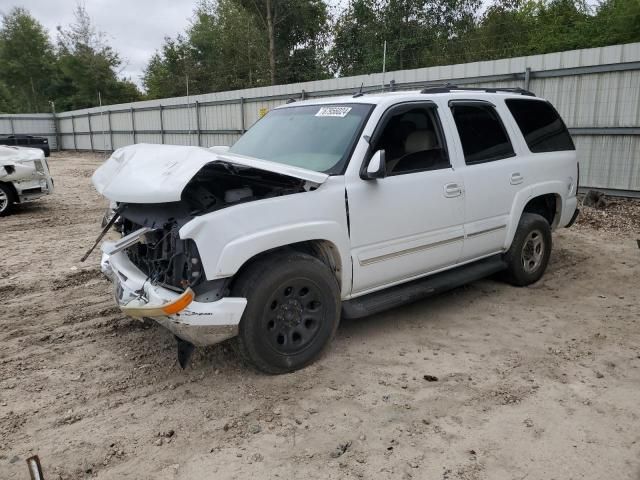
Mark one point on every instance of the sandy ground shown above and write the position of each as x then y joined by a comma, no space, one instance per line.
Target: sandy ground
538,383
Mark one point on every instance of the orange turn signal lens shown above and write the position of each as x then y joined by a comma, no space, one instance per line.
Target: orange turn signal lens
179,303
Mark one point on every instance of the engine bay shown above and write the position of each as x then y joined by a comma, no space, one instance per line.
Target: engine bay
173,262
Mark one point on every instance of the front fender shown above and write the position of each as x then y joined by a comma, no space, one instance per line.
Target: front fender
228,238
237,252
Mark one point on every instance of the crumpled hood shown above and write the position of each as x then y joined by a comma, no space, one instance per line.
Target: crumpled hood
16,163
10,155
148,173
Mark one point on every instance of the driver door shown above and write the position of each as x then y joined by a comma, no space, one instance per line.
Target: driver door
411,222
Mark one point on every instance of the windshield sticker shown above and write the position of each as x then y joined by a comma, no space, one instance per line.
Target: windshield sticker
333,112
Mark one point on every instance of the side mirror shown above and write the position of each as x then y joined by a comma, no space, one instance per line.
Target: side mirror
377,167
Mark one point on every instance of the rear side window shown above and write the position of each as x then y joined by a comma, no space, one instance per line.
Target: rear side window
482,134
541,126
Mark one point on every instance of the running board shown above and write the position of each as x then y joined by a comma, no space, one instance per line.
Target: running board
392,297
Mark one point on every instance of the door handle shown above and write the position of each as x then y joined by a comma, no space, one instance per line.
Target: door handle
516,178
452,190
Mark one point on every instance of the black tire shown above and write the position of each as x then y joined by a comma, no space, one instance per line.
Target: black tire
7,200
292,313
528,256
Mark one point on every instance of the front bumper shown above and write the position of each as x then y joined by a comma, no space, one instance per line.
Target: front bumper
29,190
201,323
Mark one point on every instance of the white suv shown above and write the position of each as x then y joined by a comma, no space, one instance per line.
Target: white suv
336,207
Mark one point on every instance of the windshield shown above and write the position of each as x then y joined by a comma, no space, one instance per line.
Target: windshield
315,137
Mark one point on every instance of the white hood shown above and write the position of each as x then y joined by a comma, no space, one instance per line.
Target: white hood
147,173
17,163
10,155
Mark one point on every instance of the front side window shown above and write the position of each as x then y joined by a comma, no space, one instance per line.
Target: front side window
316,137
541,126
482,134
412,141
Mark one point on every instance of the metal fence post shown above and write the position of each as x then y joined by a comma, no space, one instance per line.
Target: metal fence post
110,130
161,127
56,130
73,130
13,129
527,78
242,115
133,125
90,131
198,123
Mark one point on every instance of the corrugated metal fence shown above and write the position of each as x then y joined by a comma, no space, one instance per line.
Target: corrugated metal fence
597,92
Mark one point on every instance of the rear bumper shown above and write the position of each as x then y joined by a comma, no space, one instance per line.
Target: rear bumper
201,323
569,212
574,218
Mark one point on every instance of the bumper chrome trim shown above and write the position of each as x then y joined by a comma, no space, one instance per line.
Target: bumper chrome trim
201,323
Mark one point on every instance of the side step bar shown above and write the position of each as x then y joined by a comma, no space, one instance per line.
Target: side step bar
423,287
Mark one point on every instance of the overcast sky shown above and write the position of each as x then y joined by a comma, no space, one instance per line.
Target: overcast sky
134,28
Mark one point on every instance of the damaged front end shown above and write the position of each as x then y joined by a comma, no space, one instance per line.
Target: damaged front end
156,273
27,171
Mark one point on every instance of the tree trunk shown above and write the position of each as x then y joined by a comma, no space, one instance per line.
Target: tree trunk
272,43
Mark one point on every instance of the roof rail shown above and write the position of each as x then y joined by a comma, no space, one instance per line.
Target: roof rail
447,87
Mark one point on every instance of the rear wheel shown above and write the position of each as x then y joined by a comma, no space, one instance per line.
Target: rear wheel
7,199
528,256
292,313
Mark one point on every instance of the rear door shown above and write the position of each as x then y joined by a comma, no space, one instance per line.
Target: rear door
493,174
409,223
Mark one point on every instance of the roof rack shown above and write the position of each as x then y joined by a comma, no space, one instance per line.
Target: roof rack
447,88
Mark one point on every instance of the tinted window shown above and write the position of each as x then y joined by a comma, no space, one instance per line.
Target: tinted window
317,137
412,141
541,126
482,134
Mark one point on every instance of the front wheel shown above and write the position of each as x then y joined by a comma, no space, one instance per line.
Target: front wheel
292,313
528,256
7,200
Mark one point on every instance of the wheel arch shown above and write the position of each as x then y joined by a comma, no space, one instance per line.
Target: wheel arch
324,250
13,190
545,200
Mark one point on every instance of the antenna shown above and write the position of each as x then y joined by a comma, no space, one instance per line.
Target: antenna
359,94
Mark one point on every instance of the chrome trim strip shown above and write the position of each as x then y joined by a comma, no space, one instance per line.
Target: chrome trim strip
388,256
488,230
127,241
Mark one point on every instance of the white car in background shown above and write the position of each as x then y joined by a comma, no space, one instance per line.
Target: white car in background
336,207
24,176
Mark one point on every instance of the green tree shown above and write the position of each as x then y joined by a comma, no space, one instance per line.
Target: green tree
560,25
227,47
418,33
296,32
504,30
28,63
89,65
222,49
167,72
7,104
616,21
358,39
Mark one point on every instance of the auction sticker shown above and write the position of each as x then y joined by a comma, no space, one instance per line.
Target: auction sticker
333,112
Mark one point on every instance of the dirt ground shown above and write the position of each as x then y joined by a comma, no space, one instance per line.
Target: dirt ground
484,382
